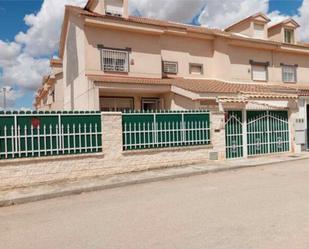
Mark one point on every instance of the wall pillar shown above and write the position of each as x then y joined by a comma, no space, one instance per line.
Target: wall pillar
112,134
218,133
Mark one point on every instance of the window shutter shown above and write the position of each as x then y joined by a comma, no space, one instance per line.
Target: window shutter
259,73
259,31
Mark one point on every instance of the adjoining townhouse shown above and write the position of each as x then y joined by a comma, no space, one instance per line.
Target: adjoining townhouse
50,95
111,61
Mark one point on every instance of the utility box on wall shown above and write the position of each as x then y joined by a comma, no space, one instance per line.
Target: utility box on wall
300,131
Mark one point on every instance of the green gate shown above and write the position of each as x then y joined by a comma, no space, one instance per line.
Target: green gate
234,135
267,132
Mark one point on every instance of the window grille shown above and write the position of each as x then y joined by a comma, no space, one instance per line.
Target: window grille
115,60
288,74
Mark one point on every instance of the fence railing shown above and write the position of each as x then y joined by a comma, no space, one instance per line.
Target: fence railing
47,134
165,129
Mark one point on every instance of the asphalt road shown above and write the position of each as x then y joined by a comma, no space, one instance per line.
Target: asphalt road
265,207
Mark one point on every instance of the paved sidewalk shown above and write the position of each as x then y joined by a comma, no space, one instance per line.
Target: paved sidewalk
43,192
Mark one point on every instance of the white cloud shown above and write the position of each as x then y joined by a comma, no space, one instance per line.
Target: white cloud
26,72
303,19
174,10
221,14
9,51
42,37
25,61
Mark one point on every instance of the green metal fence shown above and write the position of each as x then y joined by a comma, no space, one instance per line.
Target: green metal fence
37,134
146,130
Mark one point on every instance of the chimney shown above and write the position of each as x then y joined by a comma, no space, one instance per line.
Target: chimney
109,7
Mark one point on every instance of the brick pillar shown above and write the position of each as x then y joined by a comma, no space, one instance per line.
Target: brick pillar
218,133
112,134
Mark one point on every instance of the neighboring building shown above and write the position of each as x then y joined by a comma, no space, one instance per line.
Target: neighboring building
110,61
50,96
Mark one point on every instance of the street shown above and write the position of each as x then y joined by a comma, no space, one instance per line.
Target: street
265,207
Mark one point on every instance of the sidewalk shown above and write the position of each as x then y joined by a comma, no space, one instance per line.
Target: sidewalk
43,192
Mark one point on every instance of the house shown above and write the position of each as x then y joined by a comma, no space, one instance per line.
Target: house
111,61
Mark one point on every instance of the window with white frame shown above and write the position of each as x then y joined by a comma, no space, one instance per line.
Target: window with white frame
289,73
259,31
114,60
196,68
259,72
289,36
170,67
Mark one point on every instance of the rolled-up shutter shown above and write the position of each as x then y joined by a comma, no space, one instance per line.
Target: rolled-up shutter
259,72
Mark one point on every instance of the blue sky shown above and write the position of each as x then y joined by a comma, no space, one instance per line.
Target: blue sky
12,13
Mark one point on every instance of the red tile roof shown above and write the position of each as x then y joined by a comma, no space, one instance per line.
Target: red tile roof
202,85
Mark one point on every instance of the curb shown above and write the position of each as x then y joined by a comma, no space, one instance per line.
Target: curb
81,190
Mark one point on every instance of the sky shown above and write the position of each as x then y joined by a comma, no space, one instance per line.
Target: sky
30,31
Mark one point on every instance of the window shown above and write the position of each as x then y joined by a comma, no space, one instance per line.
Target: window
289,36
170,67
110,104
115,60
150,104
114,7
259,72
52,94
45,100
289,73
196,68
259,31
